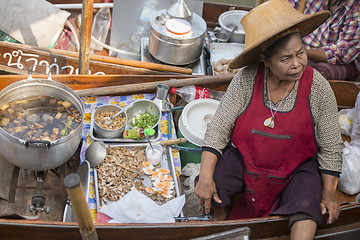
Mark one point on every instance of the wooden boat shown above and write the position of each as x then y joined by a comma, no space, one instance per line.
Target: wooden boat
51,226
134,80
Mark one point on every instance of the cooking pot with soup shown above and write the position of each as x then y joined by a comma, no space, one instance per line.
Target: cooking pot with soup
40,123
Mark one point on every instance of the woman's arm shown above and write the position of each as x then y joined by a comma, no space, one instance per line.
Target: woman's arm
316,54
341,44
205,188
326,123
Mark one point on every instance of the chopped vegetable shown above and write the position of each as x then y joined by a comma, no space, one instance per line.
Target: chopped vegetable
66,104
4,107
145,120
4,121
58,115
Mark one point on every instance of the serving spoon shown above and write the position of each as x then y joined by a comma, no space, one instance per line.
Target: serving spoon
234,28
96,152
108,120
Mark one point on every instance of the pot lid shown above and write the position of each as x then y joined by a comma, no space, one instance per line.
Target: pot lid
179,9
195,117
178,26
197,23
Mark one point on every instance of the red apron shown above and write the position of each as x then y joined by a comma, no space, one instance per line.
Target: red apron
272,154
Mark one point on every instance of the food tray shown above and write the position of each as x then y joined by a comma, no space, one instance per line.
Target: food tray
167,162
155,137
224,50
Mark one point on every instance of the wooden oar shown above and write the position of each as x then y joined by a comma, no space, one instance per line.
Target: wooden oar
129,88
172,141
79,204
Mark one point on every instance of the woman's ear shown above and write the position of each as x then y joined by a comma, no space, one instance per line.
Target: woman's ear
264,59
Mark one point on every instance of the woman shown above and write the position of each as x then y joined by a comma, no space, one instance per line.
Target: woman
333,48
281,118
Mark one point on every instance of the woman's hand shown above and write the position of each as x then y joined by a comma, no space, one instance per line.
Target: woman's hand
328,203
332,207
205,189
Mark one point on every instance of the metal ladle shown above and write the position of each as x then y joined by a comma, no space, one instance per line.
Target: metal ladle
231,33
96,152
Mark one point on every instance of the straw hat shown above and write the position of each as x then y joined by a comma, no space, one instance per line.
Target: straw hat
269,19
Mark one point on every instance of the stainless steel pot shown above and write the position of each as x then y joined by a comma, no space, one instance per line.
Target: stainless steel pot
176,50
230,19
39,155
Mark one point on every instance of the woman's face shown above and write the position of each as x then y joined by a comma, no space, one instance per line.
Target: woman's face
289,61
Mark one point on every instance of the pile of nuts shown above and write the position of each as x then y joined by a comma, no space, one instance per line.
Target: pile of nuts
221,67
121,171
116,123
118,171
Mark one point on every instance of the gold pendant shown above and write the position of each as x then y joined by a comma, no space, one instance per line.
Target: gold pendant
269,122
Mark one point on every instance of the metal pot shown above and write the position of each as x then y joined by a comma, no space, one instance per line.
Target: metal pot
174,49
230,19
39,155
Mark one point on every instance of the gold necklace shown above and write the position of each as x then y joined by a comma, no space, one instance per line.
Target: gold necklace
269,122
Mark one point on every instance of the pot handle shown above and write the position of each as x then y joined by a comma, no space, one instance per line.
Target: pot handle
37,142
33,67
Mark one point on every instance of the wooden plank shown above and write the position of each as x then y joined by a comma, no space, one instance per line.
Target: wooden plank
345,92
19,58
85,36
77,82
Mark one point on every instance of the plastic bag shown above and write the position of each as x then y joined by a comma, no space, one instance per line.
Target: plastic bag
349,181
355,131
346,119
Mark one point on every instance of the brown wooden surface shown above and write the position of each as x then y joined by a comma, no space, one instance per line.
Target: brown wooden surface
77,82
17,59
85,36
345,92
261,228
148,87
102,56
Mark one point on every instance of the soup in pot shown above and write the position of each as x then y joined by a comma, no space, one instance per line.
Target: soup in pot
39,118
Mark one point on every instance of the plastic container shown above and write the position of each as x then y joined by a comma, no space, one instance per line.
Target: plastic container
154,154
142,28
192,125
100,28
191,92
137,133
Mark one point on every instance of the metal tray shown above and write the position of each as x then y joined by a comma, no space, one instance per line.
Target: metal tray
155,137
224,50
167,162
